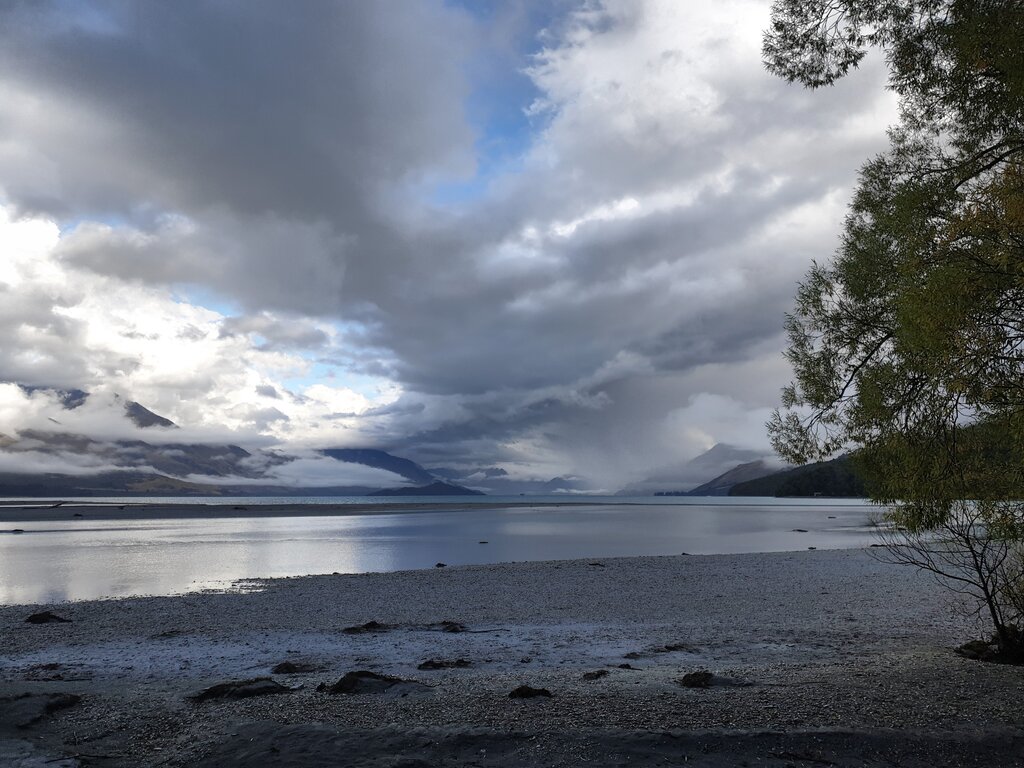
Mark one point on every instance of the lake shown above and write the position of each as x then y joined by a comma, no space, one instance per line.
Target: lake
81,559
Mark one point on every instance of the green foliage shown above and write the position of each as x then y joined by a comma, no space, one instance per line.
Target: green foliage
909,345
832,479
916,329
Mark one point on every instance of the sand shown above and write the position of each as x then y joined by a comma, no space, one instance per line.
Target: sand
820,658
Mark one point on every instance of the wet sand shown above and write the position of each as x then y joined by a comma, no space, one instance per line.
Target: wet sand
818,658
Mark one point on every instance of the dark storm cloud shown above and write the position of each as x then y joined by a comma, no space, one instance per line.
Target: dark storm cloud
640,251
275,332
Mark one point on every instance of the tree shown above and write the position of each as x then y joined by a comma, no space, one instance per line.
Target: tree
909,345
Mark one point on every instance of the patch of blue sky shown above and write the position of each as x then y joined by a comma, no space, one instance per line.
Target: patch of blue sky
203,296
111,220
334,376
500,96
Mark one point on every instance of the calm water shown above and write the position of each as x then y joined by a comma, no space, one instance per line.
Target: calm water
85,559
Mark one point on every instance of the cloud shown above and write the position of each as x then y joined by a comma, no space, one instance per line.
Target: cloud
554,240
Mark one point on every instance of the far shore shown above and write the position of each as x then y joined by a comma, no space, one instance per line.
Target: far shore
42,511
46,510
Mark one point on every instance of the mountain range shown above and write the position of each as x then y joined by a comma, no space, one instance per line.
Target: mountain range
51,460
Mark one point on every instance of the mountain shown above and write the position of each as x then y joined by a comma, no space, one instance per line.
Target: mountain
69,398
162,466
370,457
434,489
717,460
835,478
178,459
495,481
143,417
721,485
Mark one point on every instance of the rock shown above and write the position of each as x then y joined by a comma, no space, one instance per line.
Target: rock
526,692
77,514
674,647
483,542
26,710
633,655
452,626
525,660
370,626
444,664
441,565
46,617
293,668
18,530
596,674
812,547
626,666
977,650
364,681
799,530
705,679
597,565
700,679
241,689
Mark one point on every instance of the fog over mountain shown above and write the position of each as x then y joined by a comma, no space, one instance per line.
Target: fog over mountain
511,241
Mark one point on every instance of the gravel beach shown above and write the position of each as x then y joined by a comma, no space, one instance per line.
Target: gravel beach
815,658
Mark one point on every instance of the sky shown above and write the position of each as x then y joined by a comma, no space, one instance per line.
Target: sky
539,238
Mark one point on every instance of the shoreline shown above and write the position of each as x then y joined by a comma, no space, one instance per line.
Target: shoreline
29,511
830,648
22,511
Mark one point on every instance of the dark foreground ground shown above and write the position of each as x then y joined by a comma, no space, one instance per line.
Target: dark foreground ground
815,659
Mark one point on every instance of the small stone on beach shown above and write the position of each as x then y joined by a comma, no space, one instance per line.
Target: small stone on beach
363,681
700,679
46,617
441,565
526,692
241,689
28,709
596,674
293,668
444,664
370,626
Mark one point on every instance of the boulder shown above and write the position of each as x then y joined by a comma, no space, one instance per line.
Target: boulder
363,682
241,689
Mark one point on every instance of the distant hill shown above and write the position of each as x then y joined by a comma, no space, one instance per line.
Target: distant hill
434,489
142,484
721,485
678,478
372,457
835,479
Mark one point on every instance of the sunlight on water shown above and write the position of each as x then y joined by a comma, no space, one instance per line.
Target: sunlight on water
84,559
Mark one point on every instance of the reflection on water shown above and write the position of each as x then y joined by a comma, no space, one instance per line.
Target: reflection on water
77,560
